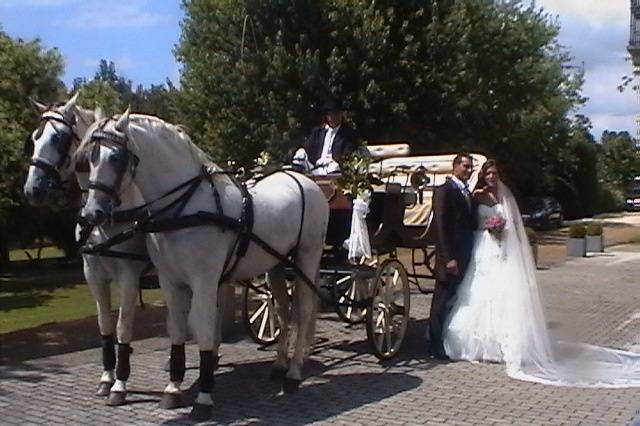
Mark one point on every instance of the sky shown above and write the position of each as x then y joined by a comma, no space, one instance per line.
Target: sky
139,37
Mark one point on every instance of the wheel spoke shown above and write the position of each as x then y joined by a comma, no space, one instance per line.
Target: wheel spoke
387,333
263,323
253,317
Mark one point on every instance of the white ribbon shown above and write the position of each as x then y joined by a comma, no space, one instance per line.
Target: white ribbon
358,241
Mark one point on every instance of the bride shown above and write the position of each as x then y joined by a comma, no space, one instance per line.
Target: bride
497,315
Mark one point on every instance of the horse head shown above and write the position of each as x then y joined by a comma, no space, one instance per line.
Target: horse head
51,147
111,166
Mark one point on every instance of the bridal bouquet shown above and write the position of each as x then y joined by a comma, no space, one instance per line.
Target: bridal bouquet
495,225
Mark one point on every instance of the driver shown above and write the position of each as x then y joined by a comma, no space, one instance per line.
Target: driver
329,143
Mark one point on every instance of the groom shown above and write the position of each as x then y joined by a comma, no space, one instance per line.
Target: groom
454,222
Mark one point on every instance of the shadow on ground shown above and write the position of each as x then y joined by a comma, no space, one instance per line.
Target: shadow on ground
323,395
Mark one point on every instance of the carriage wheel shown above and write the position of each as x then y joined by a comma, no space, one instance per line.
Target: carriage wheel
259,312
352,288
388,314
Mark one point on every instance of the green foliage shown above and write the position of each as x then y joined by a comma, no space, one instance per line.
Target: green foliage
28,71
619,160
114,93
594,229
355,178
98,93
449,75
577,231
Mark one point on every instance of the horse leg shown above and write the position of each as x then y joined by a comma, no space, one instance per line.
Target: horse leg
217,336
129,283
100,290
203,318
305,306
178,300
278,285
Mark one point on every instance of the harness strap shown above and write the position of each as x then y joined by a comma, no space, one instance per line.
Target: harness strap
243,240
48,169
106,189
294,251
207,218
114,253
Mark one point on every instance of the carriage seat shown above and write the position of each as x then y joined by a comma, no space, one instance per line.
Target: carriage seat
389,150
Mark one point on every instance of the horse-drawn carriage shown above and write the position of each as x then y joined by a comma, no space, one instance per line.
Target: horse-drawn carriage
197,225
373,290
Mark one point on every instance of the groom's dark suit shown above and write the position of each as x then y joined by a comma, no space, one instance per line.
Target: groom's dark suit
454,220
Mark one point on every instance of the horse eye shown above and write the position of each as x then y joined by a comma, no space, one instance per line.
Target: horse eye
55,139
115,157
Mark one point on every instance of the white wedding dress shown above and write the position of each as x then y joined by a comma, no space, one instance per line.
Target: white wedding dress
497,315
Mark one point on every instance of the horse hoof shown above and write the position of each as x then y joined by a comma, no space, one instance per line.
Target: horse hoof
104,388
278,373
170,401
116,399
201,412
291,385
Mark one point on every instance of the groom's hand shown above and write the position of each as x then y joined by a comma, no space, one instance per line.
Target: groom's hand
452,267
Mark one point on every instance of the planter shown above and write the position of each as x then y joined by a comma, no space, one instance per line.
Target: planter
576,247
595,243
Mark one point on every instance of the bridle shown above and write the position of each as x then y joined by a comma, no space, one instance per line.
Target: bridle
101,137
63,142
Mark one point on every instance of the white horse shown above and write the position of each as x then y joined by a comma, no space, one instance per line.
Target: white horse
290,214
54,144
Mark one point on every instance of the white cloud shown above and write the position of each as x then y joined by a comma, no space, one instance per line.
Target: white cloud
603,122
119,14
598,13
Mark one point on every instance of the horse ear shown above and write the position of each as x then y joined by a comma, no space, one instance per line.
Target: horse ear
123,121
72,101
39,107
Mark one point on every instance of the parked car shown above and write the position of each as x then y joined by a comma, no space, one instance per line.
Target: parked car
542,212
632,202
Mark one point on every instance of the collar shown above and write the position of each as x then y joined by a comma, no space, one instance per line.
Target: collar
461,185
332,129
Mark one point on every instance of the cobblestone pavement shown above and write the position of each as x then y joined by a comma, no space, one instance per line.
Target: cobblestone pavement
345,385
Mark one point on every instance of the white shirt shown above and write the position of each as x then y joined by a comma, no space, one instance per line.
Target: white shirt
329,137
464,188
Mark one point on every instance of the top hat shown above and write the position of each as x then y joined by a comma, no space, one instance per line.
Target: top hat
331,105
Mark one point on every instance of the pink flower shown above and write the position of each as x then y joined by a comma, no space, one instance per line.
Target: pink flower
495,224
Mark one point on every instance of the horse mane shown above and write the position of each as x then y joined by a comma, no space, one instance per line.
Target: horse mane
175,131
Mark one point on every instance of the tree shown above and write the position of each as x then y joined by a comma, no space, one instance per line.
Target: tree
620,160
99,93
114,93
28,71
447,75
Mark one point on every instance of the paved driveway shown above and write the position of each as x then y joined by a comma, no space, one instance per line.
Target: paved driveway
596,299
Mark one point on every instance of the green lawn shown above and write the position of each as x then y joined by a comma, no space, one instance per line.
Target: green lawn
48,294
47,253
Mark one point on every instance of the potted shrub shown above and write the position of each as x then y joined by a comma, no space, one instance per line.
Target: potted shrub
576,245
594,238
533,242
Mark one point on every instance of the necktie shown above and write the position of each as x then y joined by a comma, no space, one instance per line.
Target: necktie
467,194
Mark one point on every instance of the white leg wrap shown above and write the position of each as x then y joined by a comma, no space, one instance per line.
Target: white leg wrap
107,377
173,387
119,386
